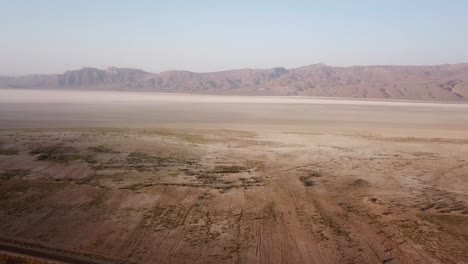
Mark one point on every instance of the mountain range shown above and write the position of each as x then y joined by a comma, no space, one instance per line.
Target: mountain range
436,83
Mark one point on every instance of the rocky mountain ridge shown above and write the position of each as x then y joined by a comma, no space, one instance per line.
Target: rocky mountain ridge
440,83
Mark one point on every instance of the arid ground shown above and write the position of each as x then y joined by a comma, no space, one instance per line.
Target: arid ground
222,180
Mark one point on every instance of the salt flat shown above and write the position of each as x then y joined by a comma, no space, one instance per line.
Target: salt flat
50,108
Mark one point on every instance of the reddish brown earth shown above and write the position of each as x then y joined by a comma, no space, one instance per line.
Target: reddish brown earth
222,179
9,259
225,196
440,83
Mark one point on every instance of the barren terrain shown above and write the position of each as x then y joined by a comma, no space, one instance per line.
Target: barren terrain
189,180
439,82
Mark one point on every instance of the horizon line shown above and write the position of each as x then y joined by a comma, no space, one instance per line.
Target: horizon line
238,69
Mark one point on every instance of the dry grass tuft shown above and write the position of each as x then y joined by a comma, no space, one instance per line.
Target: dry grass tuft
307,181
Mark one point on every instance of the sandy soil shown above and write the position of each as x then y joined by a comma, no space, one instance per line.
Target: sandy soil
382,187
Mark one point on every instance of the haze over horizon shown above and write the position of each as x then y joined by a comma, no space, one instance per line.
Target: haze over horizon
53,37
111,68
247,132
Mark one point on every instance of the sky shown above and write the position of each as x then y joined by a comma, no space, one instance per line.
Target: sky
53,36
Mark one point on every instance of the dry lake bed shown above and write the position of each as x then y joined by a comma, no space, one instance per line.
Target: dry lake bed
122,177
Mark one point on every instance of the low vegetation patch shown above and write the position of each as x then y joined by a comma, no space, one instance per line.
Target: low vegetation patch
360,183
208,178
252,181
189,138
103,149
456,225
8,151
268,212
140,157
314,174
7,259
307,180
136,157
445,206
137,186
229,169
144,162
56,153
8,174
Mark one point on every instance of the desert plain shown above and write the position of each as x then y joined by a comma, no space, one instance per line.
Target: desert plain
122,177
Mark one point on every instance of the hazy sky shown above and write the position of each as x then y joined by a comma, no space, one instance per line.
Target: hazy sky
52,36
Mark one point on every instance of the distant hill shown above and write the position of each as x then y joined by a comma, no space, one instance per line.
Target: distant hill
442,82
